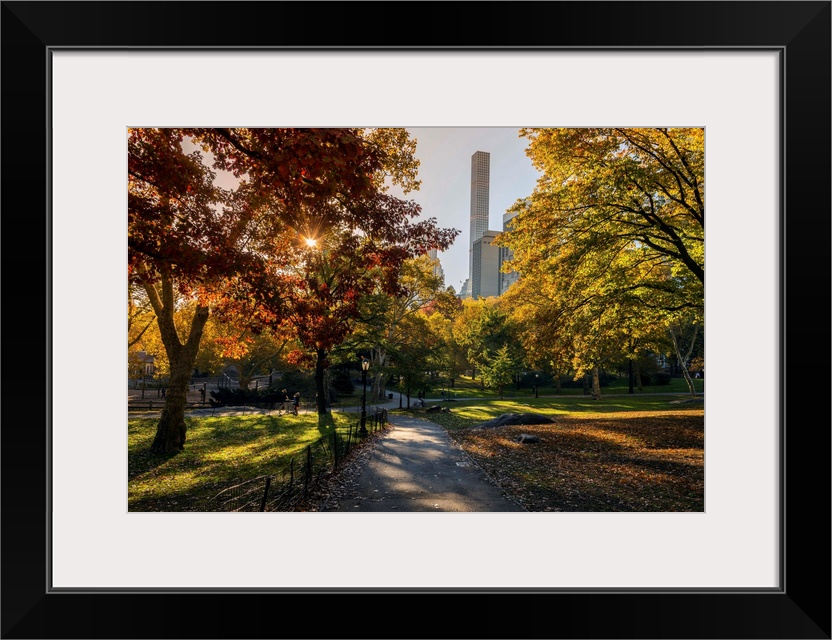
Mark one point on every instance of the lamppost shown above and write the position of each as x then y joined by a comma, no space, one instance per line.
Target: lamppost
536,376
365,364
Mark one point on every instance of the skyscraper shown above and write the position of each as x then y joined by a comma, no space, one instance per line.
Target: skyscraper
506,254
480,168
485,278
437,265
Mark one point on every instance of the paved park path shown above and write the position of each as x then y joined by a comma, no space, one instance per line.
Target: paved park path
415,466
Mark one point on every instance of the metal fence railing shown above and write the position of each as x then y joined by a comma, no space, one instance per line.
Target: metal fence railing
288,486
274,408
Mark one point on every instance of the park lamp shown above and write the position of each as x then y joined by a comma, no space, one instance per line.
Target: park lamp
365,365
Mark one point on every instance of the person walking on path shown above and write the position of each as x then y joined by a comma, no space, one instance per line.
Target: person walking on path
415,466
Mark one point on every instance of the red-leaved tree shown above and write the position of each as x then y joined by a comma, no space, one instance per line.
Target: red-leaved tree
309,203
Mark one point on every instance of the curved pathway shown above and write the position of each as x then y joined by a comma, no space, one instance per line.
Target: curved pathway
415,466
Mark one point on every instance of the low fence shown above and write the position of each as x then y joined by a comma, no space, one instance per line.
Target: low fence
267,407
287,487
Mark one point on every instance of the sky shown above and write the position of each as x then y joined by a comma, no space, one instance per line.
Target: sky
445,154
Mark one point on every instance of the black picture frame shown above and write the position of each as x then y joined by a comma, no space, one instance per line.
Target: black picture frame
800,31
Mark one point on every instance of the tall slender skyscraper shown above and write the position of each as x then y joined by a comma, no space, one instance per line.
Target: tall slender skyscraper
480,169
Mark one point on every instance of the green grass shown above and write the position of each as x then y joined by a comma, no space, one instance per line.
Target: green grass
465,387
468,413
219,452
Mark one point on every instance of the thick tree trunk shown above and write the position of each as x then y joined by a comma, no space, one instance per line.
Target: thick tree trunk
171,429
244,378
320,369
637,369
380,379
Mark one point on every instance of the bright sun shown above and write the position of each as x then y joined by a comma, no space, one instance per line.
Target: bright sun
311,242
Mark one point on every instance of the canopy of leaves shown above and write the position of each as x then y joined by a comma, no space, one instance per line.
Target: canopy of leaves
610,246
619,208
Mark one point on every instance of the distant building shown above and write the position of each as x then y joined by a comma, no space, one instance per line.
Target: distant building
465,291
485,275
507,279
142,364
437,265
480,181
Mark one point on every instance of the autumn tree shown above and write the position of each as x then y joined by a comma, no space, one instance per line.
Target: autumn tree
235,341
611,242
412,356
449,357
213,246
343,238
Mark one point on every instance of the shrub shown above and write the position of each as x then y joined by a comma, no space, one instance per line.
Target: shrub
342,382
661,378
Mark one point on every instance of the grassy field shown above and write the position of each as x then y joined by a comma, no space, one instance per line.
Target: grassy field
219,452
465,387
616,454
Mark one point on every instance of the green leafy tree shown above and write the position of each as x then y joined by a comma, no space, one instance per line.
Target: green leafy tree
384,329
482,329
500,369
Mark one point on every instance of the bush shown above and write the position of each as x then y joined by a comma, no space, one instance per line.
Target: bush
296,380
568,382
238,397
661,378
341,382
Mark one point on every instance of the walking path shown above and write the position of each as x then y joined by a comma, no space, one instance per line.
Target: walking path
415,466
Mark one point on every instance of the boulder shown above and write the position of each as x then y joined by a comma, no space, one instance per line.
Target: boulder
525,438
509,419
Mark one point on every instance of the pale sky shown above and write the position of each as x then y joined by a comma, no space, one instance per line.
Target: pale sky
445,171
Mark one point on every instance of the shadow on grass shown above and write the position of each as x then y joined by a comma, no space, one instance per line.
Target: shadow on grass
326,423
144,461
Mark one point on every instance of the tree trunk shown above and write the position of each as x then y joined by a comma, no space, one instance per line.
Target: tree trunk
683,360
244,377
320,368
637,369
171,429
596,384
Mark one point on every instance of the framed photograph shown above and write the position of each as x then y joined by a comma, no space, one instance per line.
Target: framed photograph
755,75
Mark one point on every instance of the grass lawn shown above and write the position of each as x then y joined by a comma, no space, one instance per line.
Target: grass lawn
465,387
616,454
219,452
